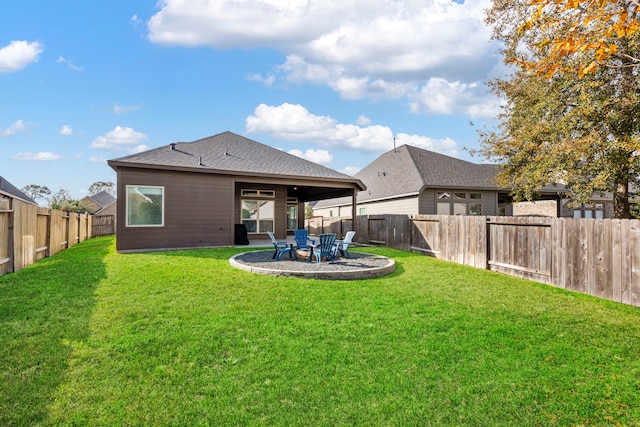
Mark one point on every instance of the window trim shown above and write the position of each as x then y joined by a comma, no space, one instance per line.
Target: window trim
452,201
258,219
248,193
127,216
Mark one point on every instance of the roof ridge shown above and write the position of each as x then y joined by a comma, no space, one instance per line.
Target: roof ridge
415,166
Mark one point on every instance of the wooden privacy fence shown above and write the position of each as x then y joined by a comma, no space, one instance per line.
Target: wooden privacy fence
103,225
29,233
596,257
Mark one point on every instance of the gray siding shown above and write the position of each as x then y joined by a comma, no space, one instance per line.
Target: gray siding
404,206
427,202
489,203
197,210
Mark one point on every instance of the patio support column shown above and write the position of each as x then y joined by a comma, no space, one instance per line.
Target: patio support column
354,210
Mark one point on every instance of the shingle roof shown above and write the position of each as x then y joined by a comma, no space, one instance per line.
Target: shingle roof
407,169
228,152
103,198
9,189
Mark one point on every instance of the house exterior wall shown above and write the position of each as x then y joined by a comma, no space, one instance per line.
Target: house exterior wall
428,199
198,210
536,208
403,206
599,208
280,220
332,211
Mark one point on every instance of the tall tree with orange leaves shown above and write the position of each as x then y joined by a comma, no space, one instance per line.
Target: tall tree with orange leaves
572,102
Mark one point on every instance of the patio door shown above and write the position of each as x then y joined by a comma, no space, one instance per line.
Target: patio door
292,214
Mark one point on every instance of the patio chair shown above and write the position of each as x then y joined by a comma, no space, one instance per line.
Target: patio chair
281,247
301,236
325,248
343,245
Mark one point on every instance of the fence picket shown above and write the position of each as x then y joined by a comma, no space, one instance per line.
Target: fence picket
596,257
29,233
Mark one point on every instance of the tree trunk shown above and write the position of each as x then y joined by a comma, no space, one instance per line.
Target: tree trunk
621,200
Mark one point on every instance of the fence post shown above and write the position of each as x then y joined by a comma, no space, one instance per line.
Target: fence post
48,237
11,251
488,245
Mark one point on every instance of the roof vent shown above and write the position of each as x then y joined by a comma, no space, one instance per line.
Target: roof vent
172,146
200,161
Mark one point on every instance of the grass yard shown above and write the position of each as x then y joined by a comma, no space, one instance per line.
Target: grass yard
92,337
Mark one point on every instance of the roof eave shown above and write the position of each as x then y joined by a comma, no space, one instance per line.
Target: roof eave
115,164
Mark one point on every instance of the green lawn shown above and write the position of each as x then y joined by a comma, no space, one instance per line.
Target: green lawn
92,337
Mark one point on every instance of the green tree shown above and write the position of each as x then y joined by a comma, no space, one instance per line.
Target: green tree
62,200
558,128
99,186
36,192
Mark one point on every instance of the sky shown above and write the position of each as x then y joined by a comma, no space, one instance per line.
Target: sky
82,82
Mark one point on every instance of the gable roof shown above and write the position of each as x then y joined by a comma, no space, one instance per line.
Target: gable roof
8,189
407,170
103,198
229,153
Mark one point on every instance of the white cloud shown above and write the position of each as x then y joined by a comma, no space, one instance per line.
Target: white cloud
40,156
373,49
18,54
351,170
120,139
322,157
121,109
69,64
440,96
97,159
16,126
295,123
363,120
66,130
267,80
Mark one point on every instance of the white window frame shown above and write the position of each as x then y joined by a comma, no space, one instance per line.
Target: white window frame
252,195
455,201
127,206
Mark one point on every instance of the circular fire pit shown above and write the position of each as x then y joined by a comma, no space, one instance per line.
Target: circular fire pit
357,266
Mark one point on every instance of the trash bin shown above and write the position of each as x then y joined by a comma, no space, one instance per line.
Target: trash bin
241,235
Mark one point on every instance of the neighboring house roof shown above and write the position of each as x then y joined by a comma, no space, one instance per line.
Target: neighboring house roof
232,154
96,203
407,170
103,198
8,189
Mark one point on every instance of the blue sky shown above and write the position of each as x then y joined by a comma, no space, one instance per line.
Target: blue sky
334,82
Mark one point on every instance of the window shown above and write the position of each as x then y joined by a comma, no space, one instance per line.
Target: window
475,209
258,193
458,203
443,209
363,211
588,210
145,206
257,214
292,216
